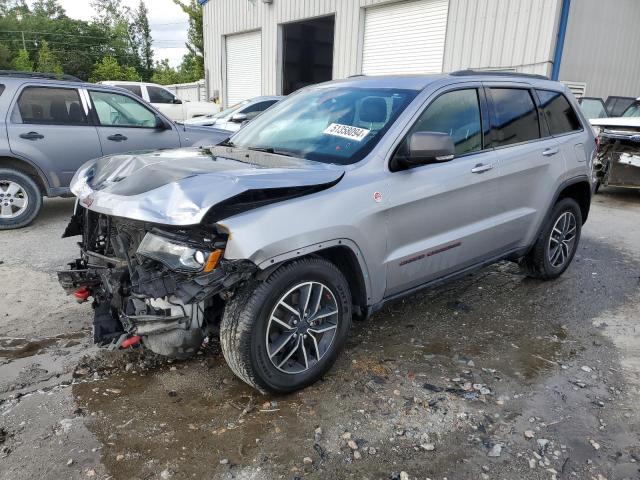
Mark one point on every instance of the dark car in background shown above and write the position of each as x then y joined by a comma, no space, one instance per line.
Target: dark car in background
50,126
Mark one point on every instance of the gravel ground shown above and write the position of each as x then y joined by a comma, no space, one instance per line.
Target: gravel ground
494,376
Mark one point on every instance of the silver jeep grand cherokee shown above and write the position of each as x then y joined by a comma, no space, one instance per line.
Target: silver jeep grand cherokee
339,199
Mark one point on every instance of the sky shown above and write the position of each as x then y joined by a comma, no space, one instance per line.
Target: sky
168,22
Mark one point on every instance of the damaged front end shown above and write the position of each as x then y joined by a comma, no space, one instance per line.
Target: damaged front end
162,285
618,161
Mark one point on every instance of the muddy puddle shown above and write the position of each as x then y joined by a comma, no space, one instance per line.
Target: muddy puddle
14,348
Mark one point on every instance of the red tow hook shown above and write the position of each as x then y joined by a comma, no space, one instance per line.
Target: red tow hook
131,341
82,294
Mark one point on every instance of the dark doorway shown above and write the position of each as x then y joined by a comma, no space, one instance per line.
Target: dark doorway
307,53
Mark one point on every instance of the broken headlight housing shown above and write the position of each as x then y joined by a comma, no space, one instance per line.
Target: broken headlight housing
175,255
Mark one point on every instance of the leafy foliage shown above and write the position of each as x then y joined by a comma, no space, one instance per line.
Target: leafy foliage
115,45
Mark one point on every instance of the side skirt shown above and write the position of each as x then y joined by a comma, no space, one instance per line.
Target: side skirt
512,255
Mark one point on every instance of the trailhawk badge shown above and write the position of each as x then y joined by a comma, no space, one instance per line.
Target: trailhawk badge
347,131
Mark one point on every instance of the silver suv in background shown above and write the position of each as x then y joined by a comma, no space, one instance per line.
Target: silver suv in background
342,197
49,127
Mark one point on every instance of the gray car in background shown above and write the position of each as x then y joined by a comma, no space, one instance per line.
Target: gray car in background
49,127
342,197
234,117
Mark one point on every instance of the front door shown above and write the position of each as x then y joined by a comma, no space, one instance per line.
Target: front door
49,126
166,102
441,216
126,124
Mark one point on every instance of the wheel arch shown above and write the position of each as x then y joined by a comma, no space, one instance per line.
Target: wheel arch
578,189
345,255
28,169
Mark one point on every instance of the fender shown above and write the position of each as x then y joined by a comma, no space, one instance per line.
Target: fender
556,195
269,264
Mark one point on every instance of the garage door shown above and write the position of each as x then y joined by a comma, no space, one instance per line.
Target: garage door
405,37
244,67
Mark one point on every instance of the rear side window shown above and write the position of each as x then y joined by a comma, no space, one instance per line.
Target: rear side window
560,116
135,89
51,106
514,115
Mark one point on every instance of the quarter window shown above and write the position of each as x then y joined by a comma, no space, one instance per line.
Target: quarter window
558,111
515,117
114,109
457,114
51,106
159,95
1,89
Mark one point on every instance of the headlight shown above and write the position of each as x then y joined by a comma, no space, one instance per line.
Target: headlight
176,256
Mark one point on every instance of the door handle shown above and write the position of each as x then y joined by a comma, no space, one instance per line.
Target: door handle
117,137
481,168
550,152
31,136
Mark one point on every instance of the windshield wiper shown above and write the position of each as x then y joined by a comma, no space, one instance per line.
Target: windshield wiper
227,143
270,150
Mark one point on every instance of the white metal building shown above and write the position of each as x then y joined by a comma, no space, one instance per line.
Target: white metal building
267,47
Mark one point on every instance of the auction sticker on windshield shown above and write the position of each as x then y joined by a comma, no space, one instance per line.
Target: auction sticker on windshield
347,131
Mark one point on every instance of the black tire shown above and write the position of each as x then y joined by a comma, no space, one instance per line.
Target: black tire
537,263
243,329
32,191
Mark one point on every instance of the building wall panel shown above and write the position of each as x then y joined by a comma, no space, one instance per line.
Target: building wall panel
516,34
601,47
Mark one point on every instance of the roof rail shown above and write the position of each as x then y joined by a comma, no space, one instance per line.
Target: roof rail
50,76
496,73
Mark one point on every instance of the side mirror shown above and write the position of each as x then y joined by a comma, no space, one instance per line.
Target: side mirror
239,118
177,101
429,147
160,123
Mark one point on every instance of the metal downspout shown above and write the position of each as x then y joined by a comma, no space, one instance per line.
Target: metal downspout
562,30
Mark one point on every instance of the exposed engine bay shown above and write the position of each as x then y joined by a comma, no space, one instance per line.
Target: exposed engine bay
162,286
618,160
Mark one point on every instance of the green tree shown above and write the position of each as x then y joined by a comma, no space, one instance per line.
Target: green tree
5,57
195,38
164,74
22,62
47,61
142,36
109,69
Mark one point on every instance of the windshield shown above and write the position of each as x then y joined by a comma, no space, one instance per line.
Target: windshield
329,124
593,108
632,111
229,110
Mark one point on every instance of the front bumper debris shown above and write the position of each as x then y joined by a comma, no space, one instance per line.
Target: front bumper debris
618,160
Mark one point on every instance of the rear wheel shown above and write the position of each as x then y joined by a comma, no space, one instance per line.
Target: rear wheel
20,199
283,334
557,244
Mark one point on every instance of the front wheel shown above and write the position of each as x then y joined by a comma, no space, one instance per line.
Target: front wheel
557,244
20,199
284,333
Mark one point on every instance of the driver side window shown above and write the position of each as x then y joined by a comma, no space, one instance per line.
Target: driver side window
456,113
114,109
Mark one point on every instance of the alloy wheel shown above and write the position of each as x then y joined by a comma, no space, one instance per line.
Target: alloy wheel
302,327
13,199
562,239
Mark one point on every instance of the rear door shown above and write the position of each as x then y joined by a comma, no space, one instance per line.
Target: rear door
529,161
125,124
440,217
50,127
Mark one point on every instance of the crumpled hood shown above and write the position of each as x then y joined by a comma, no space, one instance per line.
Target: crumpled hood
178,187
